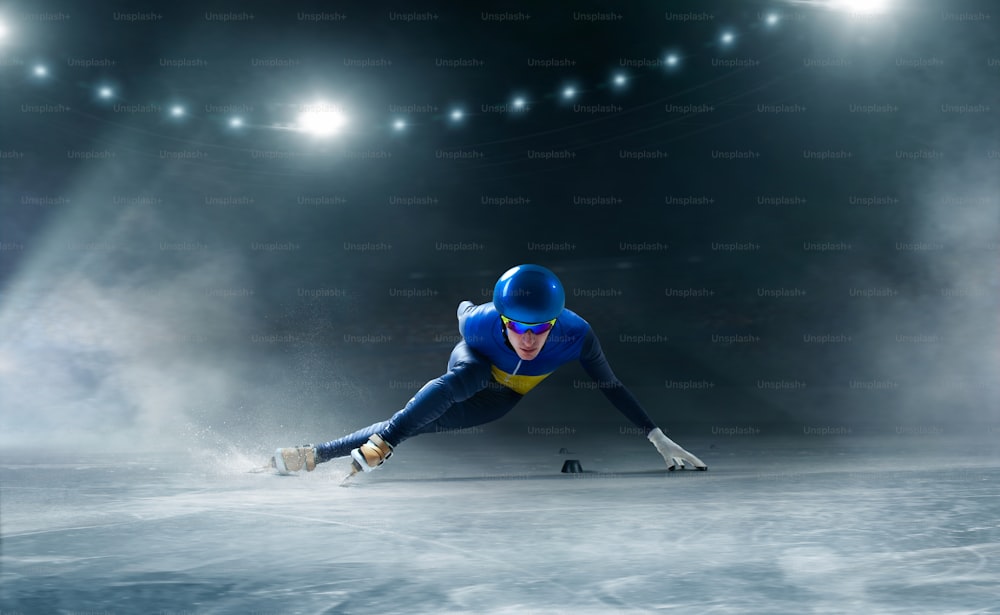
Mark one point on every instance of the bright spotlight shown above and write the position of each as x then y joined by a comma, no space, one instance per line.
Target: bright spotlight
399,125
569,92
4,30
727,38
236,122
40,71
177,111
619,80
105,92
771,19
520,103
321,120
457,115
672,60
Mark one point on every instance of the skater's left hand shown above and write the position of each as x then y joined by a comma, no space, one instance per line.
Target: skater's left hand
673,453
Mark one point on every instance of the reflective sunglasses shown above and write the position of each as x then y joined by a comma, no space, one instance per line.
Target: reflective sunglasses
521,328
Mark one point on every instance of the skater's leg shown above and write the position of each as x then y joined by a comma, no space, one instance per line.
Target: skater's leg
342,447
468,373
484,407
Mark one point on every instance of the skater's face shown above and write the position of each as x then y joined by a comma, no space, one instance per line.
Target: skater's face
527,345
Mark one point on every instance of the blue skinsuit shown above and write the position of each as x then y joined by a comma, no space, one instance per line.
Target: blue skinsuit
486,379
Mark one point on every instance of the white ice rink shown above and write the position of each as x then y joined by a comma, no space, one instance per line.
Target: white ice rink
903,525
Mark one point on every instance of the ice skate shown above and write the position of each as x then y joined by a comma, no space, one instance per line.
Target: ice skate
371,454
288,460
368,456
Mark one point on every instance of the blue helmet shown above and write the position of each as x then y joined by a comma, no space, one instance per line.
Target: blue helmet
530,294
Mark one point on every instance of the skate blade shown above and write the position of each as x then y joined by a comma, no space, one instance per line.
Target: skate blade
355,468
270,467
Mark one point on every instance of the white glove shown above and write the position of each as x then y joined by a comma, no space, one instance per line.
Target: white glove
672,453
464,306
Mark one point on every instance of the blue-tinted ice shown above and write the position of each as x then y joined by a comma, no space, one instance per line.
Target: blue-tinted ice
858,525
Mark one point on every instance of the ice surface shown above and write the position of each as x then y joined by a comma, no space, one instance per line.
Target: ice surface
859,525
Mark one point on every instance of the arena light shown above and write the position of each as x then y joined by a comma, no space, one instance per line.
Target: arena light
860,7
321,120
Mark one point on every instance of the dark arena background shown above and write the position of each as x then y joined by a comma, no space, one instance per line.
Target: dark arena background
228,227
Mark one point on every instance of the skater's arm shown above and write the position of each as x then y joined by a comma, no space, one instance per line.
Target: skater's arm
596,365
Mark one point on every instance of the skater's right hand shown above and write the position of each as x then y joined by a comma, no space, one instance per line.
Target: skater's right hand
371,454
